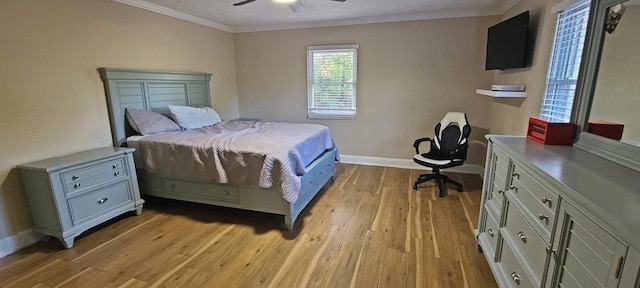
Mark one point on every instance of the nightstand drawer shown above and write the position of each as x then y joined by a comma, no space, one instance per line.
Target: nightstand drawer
525,240
82,184
92,170
99,201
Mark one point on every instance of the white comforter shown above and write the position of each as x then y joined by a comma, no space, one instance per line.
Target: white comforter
239,152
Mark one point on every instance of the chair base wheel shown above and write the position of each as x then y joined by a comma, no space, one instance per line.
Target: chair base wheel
415,186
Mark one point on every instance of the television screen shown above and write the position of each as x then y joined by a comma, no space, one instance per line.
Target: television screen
507,43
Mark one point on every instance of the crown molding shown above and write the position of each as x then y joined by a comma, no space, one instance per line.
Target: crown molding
318,24
175,14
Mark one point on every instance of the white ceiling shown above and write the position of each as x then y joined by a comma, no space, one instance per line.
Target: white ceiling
263,15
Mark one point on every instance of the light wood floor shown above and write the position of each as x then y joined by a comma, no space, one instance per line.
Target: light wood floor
366,229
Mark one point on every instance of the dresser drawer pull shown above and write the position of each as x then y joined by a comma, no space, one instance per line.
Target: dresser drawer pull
550,250
619,267
114,166
543,217
500,191
101,201
515,175
514,188
226,193
547,201
76,186
116,173
515,277
490,232
522,237
75,177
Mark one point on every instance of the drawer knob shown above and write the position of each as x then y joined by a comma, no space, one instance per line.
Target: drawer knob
226,193
514,188
116,173
101,201
515,175
515,277
114,166
76,186
490,232
522,237
75,177
547,201
500,191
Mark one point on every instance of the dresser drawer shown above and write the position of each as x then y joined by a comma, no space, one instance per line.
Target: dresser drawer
539,203
75,175
537,209
526,241
82,184
492,230
91,204
497,191
512,272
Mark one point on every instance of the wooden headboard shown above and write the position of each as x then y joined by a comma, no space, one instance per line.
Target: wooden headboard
152,91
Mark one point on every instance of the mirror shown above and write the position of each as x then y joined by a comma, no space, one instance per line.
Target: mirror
615,109
607,101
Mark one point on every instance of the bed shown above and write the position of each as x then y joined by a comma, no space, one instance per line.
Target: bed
154,91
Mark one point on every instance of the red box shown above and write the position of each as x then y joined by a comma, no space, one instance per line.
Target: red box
550,133
605,128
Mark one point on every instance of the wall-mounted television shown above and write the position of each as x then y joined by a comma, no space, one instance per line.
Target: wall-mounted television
507,43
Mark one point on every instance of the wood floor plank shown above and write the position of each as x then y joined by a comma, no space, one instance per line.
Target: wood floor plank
395,269
370,262
369,228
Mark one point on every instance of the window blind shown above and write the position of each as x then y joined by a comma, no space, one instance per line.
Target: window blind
331,80
564,66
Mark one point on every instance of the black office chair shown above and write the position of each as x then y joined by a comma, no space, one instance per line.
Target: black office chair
448,149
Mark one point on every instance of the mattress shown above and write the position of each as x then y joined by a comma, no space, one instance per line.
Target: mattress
236,152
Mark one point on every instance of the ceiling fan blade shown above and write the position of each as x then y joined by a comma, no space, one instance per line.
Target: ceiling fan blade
243,2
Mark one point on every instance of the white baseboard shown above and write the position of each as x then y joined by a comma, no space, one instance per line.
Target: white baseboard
15,242
406,164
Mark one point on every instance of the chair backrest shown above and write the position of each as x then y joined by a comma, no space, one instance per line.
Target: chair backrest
451,136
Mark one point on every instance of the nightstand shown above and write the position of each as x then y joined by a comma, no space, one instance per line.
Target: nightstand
70,194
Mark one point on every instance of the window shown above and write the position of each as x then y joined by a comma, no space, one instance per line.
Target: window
565,62
331,80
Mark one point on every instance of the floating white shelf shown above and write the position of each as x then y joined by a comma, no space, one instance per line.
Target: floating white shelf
501,93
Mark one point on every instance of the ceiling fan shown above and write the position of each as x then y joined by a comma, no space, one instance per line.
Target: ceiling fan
295,5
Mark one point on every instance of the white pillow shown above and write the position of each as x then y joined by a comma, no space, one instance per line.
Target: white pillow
192,117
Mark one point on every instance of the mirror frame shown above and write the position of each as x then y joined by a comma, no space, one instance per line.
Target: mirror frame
621,153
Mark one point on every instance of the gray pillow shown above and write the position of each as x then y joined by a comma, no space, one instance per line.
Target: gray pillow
194,117
149,122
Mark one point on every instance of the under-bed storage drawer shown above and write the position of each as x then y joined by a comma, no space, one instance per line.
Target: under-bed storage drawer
210,191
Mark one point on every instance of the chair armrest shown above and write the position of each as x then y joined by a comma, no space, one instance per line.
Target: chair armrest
416,144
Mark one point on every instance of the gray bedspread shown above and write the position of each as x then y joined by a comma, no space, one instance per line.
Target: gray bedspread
239,152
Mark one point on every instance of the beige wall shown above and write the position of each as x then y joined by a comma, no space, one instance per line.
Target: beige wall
511,115
51,98
409,75
617,95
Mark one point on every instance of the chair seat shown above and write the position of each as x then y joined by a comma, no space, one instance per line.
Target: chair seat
426,160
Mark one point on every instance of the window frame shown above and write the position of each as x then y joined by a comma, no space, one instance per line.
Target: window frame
580,8
329,113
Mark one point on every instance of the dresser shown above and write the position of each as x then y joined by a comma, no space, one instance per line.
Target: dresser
70,194
557,216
